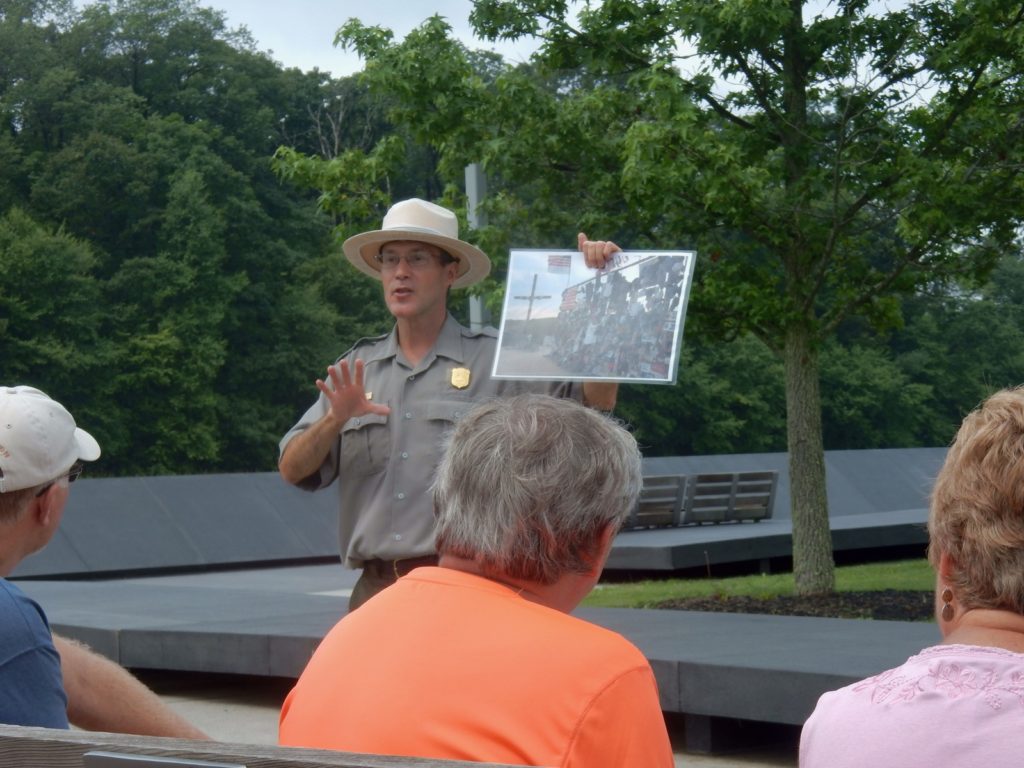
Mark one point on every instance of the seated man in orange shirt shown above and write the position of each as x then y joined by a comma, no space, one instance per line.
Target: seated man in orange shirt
478,658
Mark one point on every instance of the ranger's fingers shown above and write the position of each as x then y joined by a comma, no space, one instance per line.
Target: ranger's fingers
360,367
341,374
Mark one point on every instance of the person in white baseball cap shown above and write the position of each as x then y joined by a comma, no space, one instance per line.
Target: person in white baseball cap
47,680
39,440
385,405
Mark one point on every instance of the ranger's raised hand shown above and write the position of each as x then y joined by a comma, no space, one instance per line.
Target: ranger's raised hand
346,394
596,253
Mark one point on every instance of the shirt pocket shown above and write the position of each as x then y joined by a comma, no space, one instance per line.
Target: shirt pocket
365,444
447,411
440,417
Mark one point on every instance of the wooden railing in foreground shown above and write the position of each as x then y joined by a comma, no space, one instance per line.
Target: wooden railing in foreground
51,748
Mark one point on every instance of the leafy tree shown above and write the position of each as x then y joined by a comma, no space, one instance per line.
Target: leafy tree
139,133
12,189
1006,286
731,400
824,163
964,344
50,311
868,400
331,115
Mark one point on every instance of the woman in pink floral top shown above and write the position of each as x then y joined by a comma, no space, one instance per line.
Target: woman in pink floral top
959,703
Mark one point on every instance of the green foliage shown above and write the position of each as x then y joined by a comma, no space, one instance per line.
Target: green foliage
50,310
868,401
156,276
966,346
724,390
351,183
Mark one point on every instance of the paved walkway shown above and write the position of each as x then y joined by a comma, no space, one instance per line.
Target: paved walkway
711,668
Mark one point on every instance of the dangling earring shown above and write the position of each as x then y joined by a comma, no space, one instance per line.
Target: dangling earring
947,604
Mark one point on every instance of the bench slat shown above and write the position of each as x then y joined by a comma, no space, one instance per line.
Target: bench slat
660,503
53,748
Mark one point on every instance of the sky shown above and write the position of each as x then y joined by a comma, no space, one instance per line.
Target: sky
300,33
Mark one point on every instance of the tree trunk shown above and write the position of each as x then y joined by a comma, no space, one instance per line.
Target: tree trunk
813,568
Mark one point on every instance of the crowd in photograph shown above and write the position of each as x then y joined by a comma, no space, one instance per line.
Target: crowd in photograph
616,327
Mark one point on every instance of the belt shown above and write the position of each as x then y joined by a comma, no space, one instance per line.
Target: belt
384,569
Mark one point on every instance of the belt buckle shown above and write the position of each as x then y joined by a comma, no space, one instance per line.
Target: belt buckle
396,568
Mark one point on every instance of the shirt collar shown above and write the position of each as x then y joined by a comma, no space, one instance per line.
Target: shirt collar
454,577
448,344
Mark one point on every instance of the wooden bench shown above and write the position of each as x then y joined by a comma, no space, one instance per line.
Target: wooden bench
729,497
713,497
51,748
660,503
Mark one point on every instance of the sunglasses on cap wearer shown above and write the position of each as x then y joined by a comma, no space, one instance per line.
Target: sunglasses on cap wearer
72,475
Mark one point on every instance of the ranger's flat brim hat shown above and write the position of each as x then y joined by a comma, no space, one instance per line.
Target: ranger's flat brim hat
424,222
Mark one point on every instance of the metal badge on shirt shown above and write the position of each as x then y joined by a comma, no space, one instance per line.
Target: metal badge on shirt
460,378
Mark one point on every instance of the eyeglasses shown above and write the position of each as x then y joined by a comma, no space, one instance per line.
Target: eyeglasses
72,475
417,260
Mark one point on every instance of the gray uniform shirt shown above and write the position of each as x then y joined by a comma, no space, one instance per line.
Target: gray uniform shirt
385,464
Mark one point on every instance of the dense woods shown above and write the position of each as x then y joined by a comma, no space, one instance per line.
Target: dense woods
172,199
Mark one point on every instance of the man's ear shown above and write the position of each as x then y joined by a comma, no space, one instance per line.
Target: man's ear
602,547
42,506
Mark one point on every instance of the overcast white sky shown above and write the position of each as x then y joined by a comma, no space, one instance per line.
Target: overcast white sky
300,32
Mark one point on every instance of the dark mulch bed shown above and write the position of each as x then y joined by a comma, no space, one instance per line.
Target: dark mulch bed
890,604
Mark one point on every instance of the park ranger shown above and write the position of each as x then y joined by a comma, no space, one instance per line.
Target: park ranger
385,405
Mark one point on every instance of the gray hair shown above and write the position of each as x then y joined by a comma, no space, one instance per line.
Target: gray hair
527,484
14,503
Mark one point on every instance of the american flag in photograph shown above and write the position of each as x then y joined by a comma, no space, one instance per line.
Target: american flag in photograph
568,299
558,263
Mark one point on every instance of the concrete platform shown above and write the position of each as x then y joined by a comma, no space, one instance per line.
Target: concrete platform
704,546
267,622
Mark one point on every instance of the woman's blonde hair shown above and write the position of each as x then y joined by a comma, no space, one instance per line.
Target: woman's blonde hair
977,506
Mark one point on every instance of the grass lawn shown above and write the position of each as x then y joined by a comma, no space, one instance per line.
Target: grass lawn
901,575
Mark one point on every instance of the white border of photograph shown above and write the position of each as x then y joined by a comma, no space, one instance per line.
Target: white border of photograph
562,321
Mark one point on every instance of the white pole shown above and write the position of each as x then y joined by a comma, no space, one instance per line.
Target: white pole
476,190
